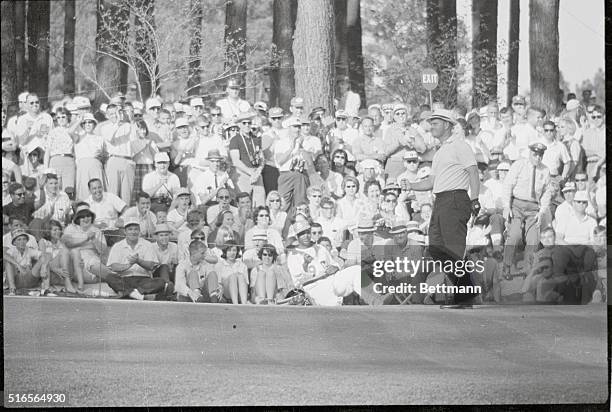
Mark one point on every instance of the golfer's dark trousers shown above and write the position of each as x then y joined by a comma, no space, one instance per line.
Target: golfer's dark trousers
270,176
123,286
448,231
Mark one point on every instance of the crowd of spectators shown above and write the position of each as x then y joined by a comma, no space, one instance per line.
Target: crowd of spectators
233,201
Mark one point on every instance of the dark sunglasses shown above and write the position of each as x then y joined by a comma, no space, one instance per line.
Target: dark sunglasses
36,102
276,118
340,119
596,116
215,114
582,202
246,122
350,186
266,254
198,237
266,215
581,180
411,160
549,130
19,194
223,197
275,200
61,117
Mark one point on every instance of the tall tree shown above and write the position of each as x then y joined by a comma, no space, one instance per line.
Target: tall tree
442,48
282,81
313,50
144,25
195,46
20,45
484,52
9,64
355,50
69,30
342,64
111,73
544,53
38,47
235,39
513,50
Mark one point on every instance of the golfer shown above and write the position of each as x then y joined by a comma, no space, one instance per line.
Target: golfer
453,173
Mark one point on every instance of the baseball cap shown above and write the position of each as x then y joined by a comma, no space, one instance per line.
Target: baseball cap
129,221
297,102
181,122
275,112
161,157
518,99
581,196
162,228
152,102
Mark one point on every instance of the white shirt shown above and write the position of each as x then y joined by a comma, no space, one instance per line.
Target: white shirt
121,250
525,134
152,179
117,137
40,122
230,108
88,146
204,182
556,154
577,231
108,209
213,211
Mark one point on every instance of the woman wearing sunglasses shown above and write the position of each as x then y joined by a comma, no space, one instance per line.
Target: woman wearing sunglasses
88,151
261,217
278,217
268,279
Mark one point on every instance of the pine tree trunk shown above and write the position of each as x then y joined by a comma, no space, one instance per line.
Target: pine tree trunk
442,48
38,34
513,50
195,46
342,69
9,64
544,54
355,50
282,81
111,73
235,40
68,62
20,49
484,52
313,50
145,47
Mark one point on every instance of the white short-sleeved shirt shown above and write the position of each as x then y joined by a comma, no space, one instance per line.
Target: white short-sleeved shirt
577,231
230,109
117,137
40,122
121,250
152,179
449,166
89,145
108,209
525,134
556,154
164,256
27,259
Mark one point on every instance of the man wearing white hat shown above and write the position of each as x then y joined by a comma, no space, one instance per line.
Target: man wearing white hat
453,173
566,208
577,228
11,124
292,182
247,158
205,181
161,184
138,270
342,136
307,262
232,105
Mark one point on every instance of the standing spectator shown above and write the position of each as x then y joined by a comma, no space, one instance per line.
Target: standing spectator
88,151
144,149
556,157
247,158
60,148
519,109
183,150
567,206
328,181
526,201
349,100
594,142
526,133
342,136
232,105
33,126
120,167
566,130
476,138
399,138
205,184
369,145
292,181
270,173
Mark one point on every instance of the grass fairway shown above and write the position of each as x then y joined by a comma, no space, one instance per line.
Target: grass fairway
119,352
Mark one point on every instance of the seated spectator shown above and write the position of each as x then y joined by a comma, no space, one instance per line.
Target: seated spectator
251,256
232,274
161,184
205,183
314,195
6,196
87,245
368,206
326,243
268,281
601,289
142,213
137,270
563,211
57,270
326,286
33,164
23,269
107,206
224,199
227,220
223,234
339,159
368,170
333,227
328,181
192,222
577,229
277,215
56,203
196,280
19,206
346,206
166,251
182,204
261,217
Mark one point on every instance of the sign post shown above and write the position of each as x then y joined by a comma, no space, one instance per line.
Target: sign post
429,78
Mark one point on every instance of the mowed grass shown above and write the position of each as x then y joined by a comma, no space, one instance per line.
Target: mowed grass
126,353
